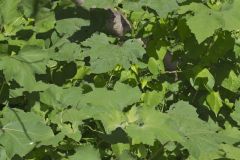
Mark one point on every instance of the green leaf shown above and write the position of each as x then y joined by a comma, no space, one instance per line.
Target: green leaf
3,154
128,75
9,11
226,19
28,7
155,125
105,56
215,102
68,52
73,116
23,67
21,72
232,82
112,98
83,93
44,20
86,152
96,104
110,121
70,25
236,114
162,7
60,98
231,151
154,98
34,56
201,138
126,156
155,66
119,148
21,131
100,4
100,102
203,80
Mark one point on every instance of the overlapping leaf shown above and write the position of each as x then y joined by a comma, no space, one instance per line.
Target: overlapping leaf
105,56
20,131
232,82
87,152
108,107
155,125
201,137
160,6
226,19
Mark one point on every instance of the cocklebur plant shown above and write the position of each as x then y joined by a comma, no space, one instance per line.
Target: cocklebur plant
72,89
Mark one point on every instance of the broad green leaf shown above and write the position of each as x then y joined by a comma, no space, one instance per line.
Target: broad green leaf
201,138
126,156
71,131
23,67
23,43
232,82
70,25
119,148
76,116
231,151
132,115
162,7
230,135
203,80
21,131
29,6
127,75
155,66
12,28
34,56
105,56
155,125
120,97
226,19
84,94
67,52
60,98
236,113
100,102
9,11
52,141
44,20
96,104
154,98
73,116
57,97
86,152
116,118
100,4
3,154
19,71
215,102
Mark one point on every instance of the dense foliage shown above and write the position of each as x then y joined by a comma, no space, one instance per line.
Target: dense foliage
70,88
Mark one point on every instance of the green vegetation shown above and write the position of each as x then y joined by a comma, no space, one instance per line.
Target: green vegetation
119,79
